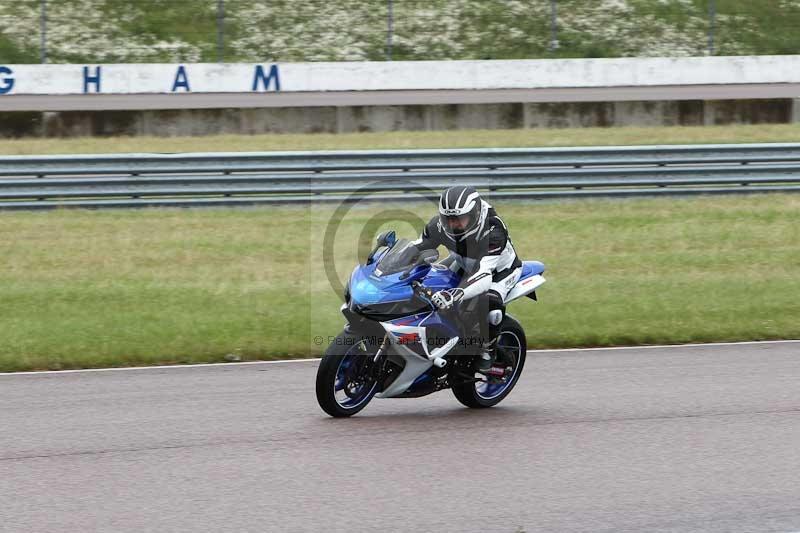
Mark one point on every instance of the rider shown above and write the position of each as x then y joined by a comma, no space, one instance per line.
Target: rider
481,250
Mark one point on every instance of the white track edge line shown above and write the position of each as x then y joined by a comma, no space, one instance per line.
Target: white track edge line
317,359
158,367
663,346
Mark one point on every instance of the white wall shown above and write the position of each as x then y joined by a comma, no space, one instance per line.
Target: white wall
400,75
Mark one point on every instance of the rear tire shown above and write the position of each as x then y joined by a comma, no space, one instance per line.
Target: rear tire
342,390
478,395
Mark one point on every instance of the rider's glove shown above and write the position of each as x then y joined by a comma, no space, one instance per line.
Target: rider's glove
447,298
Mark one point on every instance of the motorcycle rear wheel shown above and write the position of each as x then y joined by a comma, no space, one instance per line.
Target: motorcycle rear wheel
511,349
345,384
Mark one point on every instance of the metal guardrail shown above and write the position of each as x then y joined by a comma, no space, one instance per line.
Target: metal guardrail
138,180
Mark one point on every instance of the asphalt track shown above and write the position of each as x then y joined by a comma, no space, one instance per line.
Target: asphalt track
662,439
118,102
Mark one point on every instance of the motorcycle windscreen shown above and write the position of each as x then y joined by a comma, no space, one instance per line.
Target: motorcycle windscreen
399,258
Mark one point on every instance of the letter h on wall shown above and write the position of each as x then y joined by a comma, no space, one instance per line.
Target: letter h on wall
91,80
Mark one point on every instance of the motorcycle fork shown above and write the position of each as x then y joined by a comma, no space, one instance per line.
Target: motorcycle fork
376,365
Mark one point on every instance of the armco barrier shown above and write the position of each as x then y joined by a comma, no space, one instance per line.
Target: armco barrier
139,180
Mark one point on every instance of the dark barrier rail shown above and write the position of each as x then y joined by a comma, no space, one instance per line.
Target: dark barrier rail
137,180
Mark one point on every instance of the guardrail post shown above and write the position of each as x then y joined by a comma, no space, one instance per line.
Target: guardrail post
553,45
712,25
389,28
220,31
43,30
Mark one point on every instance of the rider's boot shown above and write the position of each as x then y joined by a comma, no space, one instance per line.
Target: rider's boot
490,332
486,357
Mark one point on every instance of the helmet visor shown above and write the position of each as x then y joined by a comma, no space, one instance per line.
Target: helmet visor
456,224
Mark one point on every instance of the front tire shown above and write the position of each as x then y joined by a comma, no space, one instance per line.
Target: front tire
345,381
511,349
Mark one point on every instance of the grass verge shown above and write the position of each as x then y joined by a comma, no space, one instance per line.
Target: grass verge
115,288
411,139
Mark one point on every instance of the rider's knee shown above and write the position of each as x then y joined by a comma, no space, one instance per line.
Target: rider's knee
494,300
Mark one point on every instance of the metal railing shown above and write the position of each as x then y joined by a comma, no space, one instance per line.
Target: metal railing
139,180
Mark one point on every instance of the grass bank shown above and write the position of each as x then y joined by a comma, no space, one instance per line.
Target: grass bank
411,139
109,288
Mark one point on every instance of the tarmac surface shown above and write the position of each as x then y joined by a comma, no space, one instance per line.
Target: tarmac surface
695,438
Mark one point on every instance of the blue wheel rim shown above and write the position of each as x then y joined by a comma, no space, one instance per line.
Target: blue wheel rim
349,388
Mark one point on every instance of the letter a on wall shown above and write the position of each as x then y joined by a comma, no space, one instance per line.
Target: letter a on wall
181,80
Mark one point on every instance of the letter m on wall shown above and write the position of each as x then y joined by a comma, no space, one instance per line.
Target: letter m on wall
264,80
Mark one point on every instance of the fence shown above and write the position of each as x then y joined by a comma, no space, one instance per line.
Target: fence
306,177
119,31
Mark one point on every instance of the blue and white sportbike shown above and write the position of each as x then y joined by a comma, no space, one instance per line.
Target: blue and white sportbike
397,344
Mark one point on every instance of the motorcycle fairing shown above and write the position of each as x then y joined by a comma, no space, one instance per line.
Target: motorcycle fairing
530,279
409,335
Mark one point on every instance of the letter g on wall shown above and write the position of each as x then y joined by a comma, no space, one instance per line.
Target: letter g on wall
6,81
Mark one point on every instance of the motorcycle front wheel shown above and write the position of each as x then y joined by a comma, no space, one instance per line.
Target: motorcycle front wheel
345,379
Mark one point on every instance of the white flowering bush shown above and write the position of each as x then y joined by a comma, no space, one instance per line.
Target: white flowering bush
356,30
305,30
629,28
94,30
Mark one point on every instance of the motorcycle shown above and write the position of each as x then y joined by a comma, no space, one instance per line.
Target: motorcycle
397,344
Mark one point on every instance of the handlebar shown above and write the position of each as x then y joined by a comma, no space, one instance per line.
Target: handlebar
422,291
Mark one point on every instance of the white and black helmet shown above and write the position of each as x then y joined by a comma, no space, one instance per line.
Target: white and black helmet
459,211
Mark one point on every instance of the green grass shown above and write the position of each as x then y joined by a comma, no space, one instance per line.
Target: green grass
109,288
416,139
